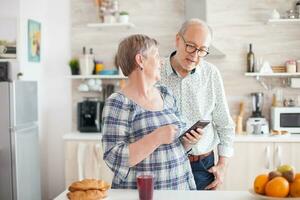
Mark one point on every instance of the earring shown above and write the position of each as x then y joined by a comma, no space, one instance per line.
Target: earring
141,68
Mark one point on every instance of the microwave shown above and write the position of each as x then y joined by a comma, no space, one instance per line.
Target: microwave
286,118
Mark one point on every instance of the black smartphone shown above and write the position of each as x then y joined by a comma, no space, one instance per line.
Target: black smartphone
199,124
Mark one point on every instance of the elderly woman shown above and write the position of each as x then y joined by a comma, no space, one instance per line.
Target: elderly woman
141,126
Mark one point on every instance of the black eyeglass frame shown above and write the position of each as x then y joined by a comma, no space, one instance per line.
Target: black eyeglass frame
187,45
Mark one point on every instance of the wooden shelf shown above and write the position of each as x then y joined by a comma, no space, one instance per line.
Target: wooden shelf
113,77
274,74
106,25
283,21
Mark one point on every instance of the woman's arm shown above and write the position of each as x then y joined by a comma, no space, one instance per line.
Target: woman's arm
142,148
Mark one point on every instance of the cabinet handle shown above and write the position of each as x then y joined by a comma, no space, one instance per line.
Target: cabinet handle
96,158
278,154
267,151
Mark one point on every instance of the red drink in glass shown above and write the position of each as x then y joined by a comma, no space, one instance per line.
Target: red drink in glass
145,186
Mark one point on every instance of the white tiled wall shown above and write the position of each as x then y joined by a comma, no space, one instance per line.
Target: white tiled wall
235,25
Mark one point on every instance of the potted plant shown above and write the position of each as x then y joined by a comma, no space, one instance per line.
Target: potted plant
123,17
74,66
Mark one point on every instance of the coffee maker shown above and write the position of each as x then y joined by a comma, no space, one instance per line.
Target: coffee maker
89,113
257,124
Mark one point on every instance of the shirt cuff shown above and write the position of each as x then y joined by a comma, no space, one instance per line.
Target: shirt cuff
225,151
119,162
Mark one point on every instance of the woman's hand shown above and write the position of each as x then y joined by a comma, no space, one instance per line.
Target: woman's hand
166,134
192,137
142,148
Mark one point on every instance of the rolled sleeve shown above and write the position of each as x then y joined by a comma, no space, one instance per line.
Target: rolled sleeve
117,159
222,120
115,137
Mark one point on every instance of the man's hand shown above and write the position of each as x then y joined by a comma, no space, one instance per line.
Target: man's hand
218,171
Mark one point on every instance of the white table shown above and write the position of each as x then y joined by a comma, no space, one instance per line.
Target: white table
114,194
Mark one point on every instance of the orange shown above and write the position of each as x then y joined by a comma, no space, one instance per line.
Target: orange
297,176
260,183
277,187
295,188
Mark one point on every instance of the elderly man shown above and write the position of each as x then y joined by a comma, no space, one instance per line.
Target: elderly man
198,88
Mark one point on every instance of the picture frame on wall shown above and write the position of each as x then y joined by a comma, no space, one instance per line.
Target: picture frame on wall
34,41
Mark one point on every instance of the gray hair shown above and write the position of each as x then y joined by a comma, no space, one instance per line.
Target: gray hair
129,48
195,21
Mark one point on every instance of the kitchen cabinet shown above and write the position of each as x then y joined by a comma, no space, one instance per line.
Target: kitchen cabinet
83,159
253,158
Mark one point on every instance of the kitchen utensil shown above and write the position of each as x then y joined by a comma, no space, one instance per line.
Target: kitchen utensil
291,66
290,14
257,104
239,120
91,82
275,14
83,87
257,124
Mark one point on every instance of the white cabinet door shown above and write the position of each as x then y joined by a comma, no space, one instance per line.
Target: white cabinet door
249,160
287,153
84,160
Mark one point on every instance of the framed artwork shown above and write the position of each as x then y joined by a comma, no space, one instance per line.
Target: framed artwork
34,41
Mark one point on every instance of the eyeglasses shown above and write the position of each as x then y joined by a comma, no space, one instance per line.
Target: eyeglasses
189,48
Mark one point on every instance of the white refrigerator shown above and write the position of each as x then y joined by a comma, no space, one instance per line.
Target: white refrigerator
19,142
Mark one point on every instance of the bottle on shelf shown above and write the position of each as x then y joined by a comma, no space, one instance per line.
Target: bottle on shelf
93,60
250,60
86,63
297,9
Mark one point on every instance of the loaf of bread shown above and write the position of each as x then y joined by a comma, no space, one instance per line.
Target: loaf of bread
87,195
89,184
88,189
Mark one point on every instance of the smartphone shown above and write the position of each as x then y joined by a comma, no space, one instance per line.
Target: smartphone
199,124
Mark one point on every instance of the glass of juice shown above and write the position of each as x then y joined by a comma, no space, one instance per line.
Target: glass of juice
145,185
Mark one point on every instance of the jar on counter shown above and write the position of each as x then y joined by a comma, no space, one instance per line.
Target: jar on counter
290,14
291,66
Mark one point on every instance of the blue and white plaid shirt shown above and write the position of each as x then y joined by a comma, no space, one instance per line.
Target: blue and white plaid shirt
125,122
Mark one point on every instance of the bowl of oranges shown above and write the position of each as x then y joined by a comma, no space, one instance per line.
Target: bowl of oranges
281,183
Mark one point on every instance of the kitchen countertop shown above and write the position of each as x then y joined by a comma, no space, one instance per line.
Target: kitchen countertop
76,136
117,194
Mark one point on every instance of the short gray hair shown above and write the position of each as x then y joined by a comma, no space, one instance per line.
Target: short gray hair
195,21
129,48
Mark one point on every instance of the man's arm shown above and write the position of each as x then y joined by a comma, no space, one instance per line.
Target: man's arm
221,117
225,129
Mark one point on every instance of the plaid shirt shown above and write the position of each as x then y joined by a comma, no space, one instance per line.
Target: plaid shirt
125,122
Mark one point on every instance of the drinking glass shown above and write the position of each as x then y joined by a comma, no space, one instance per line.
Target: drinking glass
145,185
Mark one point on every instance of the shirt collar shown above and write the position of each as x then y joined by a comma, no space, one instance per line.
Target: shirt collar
171,70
